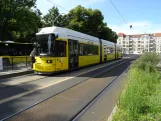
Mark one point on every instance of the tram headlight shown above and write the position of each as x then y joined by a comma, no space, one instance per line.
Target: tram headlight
49,61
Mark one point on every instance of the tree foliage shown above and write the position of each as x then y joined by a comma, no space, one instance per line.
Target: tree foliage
20,19
90,22
54,18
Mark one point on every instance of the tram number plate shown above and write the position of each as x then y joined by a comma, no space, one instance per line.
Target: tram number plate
49,61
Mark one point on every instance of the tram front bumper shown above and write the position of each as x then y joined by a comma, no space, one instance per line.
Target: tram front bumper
44,68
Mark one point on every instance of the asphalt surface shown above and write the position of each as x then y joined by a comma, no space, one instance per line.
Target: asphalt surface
65,105
102,107
18,104
39,82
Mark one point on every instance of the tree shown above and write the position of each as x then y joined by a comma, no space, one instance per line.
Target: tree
90,22
25,26
18,19
85,20
53,17
108,34
80,19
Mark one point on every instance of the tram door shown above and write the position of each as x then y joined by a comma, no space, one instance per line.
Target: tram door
73,54
105,52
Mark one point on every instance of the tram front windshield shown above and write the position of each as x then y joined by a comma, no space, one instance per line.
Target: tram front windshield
46,45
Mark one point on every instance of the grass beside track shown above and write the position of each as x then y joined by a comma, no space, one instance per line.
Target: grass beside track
141,98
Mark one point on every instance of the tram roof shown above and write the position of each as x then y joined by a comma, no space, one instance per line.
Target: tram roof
107,42
66,33
118,45
70,34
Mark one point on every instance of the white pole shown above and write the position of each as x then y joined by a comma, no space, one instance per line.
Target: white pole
1,64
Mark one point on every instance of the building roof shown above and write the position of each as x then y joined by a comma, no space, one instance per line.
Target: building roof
157,34
139,35
121,34
136,35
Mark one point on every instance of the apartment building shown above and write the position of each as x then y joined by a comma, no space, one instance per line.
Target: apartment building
140,43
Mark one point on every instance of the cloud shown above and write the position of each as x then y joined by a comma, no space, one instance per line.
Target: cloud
45,5
137,27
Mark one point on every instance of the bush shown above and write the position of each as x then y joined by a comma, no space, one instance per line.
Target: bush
153,58
147,62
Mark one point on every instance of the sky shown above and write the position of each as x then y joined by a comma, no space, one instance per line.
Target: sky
143,15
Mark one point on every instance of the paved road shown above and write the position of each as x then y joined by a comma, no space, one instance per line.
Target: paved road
60,106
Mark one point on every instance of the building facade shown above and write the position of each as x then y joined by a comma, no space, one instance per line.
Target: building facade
140,43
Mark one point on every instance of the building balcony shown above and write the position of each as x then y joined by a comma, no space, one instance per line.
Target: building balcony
152,47
130,43
151,43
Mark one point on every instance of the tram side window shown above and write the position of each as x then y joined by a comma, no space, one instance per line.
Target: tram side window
85,49
113,50
17,49
110,50
4,49
60,49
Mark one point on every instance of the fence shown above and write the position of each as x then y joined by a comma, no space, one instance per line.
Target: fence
13,62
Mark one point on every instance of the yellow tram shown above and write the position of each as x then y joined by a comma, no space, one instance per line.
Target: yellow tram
60,49
15,52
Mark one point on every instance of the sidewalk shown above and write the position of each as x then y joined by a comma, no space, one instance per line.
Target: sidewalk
8,73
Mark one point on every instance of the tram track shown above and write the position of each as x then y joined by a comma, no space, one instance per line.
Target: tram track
8,83
77,84
4,88
97,97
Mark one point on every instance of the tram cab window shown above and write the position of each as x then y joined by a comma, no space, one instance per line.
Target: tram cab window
60,49
108,50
